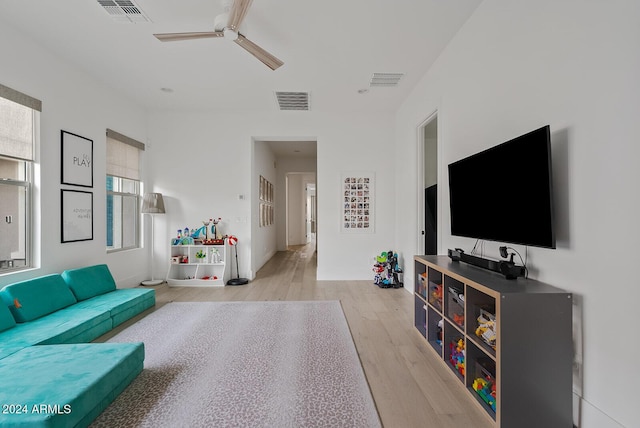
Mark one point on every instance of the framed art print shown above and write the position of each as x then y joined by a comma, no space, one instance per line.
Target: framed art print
76,159
266,203
357,202
77,215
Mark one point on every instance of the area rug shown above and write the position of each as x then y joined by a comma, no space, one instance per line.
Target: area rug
244,364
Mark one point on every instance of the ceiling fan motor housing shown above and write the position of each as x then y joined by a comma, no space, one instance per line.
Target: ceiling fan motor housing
220,22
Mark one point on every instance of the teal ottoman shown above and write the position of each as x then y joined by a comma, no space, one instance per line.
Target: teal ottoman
65,385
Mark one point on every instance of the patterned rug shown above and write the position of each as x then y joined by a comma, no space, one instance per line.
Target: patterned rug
244,364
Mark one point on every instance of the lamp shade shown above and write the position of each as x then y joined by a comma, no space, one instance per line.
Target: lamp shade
152,203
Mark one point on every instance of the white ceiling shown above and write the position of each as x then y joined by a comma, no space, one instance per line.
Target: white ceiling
330,49
295,149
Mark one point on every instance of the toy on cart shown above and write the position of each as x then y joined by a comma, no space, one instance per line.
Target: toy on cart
387,270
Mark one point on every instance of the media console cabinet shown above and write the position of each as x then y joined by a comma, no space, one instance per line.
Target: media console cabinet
509,342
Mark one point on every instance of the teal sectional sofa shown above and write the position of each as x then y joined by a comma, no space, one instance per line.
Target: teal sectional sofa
49,375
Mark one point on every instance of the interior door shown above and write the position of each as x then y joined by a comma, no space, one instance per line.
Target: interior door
431,219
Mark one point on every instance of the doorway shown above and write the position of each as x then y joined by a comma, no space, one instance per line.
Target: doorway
300,215
277,159
428,185
311,212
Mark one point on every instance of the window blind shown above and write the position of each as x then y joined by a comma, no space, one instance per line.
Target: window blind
123,156
17,122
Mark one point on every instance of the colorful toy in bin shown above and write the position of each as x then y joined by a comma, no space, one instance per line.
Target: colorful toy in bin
421,288
487,328
457,355
458,319
486,389
435,296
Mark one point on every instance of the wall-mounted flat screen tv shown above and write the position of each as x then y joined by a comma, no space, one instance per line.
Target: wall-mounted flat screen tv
505,193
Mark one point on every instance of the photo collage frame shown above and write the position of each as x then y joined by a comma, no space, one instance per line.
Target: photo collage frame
357,201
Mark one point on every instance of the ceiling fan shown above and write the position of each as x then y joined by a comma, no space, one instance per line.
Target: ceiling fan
226,25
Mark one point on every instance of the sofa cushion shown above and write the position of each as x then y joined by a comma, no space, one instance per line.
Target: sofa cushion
75,383
89,281
6,319
121,304
34,298
68,325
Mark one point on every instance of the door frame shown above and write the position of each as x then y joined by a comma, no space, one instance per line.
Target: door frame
420,185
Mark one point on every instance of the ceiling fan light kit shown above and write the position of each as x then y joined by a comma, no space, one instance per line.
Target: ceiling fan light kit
226,25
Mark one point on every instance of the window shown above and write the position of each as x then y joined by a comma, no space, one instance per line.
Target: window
19,116
123,192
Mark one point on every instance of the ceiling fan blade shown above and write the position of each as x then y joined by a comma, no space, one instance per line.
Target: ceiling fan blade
237,13
172,37
269,60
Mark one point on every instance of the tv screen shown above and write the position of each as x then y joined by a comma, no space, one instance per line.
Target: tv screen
504,193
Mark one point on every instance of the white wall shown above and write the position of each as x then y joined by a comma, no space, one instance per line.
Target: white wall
74,102
515,66
264,238
202,161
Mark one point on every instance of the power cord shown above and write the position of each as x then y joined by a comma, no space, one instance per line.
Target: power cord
505,254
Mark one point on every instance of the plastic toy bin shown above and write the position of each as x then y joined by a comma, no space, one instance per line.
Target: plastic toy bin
486,326
434,291
484,382
455,306
421,287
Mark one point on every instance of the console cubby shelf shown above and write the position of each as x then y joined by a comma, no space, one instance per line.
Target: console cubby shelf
208,271
528,355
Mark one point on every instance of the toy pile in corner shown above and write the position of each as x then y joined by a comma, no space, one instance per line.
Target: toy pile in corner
387,270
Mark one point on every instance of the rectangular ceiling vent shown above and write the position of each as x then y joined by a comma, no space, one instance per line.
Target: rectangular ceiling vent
385,79
124,11
293,100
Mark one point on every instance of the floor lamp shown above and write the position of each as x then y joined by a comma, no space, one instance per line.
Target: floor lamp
152,204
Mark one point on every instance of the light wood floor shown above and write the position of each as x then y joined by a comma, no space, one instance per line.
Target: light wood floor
410,386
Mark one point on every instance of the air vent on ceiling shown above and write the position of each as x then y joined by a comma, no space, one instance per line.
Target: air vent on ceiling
385,79
293,100
124,11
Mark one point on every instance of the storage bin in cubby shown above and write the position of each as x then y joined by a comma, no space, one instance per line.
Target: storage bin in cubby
484,382
486,327
455,306
421,285
434,288
420,318
435,329
456,356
